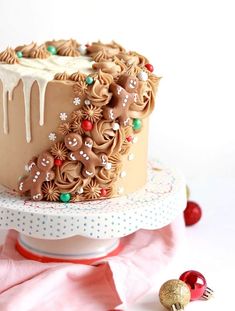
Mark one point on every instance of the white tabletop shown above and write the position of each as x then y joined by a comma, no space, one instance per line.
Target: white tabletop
209,247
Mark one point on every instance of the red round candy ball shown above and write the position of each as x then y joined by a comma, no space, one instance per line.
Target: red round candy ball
103,192
149,67
129,139
196,283
192,213
87,125
58,162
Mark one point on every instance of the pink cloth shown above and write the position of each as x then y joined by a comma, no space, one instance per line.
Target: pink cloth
27,285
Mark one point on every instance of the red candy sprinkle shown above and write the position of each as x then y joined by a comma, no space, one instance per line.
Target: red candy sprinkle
192,213
103,192
87,125
58,162
149,67
129,139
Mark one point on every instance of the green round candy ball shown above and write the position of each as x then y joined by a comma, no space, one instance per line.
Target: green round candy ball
89,80
19,54
137,124
65,197
52,49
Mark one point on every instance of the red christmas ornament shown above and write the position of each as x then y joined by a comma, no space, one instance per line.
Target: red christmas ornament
87,125
197,285
192,213
58,162
103,192
129,139
149,67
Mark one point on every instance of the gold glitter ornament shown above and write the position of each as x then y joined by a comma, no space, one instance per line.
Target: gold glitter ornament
174,295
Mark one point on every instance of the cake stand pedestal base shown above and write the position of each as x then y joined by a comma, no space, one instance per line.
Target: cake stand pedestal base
85,232
76,249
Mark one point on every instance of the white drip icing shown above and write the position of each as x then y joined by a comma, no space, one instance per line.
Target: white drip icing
27,85
42,85
42,71
9,82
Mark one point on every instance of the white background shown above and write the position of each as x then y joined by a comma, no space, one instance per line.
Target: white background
191,45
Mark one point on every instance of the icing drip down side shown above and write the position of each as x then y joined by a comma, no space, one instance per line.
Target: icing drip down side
40,70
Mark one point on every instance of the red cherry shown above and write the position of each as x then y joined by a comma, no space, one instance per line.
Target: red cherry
149,67
87,125
58,162
192,213
196,283
103,192
129,139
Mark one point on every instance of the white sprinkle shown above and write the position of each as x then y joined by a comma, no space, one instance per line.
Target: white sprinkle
135,139
52,136
82,49
87,102
76,101
123,174
80,190
143,76
116,126
120,190
108,166
63,116
131,156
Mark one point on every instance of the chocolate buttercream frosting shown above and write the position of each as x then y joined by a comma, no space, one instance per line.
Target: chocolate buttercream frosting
9,56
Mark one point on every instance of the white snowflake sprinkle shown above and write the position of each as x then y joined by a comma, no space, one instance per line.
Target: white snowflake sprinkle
77,101
52,136
63,116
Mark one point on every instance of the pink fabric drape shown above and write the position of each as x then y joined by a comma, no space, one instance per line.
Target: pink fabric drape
27,285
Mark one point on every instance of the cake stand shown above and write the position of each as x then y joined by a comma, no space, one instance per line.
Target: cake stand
89,231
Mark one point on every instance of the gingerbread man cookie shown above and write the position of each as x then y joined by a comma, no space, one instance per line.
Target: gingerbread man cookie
124,94
39,171
82,151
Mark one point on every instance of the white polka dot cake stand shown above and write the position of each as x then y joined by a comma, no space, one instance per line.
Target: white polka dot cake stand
87,231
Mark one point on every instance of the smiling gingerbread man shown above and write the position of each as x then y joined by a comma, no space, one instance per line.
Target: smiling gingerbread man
39,171
82,151
124,94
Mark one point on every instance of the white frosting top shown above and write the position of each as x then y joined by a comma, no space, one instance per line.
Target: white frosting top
42,71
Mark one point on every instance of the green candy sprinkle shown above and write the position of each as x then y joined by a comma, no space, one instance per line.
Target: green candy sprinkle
65,197
137,124
19,54
52,49
89,80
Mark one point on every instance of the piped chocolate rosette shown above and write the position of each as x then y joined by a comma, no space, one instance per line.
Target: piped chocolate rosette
110,103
